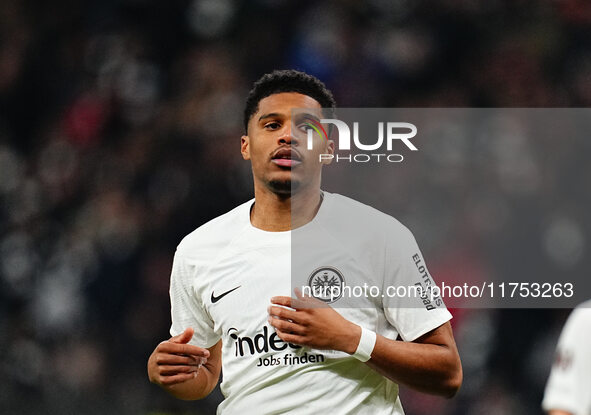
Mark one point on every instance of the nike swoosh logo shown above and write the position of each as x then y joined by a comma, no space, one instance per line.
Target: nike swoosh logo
215,299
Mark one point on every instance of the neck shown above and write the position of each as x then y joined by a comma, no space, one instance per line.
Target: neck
273,213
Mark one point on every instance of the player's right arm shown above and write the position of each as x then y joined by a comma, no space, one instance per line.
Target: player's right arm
185,371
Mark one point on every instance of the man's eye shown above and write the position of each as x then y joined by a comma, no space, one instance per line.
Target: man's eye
272,125
304,127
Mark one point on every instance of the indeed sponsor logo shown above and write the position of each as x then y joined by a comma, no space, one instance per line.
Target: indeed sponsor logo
260,343
264,343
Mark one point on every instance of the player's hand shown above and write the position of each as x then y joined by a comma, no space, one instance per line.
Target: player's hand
310,322
175,361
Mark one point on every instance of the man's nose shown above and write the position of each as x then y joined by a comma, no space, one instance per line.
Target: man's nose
287,137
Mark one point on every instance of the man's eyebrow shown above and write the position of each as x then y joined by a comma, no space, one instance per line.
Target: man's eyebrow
309,116
270,115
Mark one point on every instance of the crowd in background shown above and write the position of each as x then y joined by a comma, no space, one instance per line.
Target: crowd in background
120,124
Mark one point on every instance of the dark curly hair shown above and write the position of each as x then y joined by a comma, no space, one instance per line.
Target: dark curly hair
288,80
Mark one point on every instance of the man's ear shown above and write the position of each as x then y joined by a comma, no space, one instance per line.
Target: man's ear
244,147
329,150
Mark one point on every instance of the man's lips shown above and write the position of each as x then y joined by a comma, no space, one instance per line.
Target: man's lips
286,158
286,162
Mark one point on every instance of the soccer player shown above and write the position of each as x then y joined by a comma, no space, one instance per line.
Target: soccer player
231,296
568,391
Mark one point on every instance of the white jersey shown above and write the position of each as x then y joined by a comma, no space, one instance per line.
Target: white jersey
569,385
226,272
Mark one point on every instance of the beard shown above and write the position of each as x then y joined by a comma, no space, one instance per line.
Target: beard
283,187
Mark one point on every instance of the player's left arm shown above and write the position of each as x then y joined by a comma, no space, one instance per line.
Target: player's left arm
429,364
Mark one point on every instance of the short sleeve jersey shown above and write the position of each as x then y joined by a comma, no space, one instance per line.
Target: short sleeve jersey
226,271
569,385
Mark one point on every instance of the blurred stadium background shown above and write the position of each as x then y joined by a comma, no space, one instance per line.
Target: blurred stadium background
119,134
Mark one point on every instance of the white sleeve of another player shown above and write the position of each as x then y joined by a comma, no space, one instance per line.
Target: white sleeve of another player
405,267
186,307
569,384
